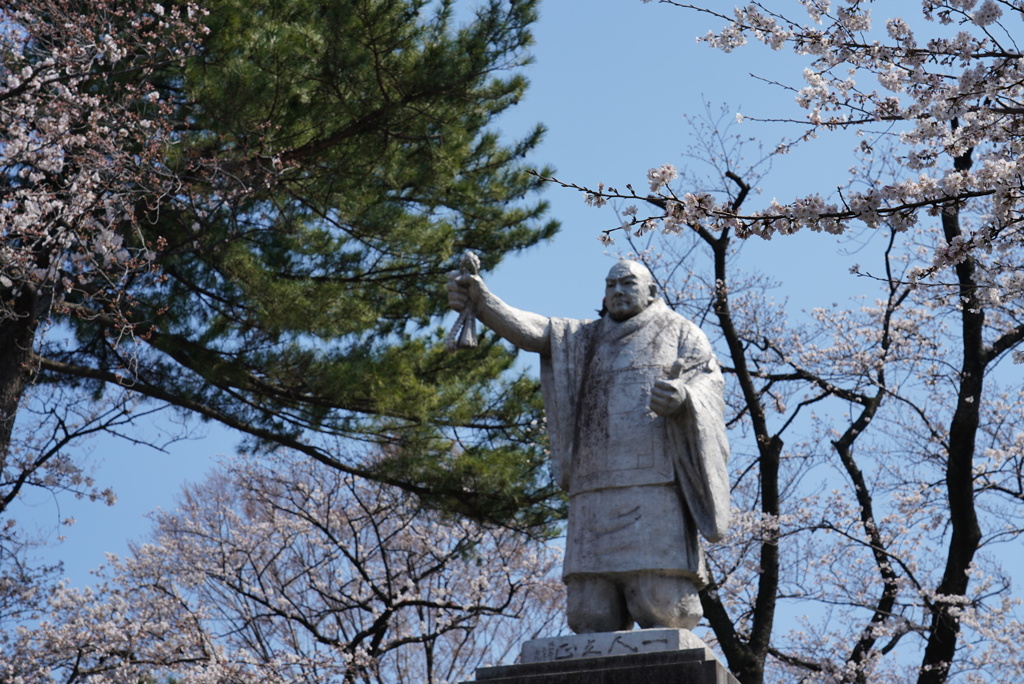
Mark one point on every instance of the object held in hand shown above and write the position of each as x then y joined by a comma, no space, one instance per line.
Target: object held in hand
463,333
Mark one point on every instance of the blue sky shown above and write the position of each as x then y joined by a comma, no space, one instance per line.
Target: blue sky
612,81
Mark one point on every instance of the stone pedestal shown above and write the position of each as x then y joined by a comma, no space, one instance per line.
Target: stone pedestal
647,656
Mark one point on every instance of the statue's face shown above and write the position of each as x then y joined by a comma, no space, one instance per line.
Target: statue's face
628,290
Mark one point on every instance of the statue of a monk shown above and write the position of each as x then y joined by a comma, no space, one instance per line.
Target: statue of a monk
635,414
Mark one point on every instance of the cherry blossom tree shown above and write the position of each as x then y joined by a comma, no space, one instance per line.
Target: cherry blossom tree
876,450
945,84
910,417
84,132
287,570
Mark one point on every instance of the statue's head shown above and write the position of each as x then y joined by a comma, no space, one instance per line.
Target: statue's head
629,289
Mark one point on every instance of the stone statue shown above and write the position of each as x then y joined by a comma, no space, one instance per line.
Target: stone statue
635,415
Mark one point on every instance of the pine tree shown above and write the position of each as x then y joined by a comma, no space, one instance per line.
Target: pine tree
320,166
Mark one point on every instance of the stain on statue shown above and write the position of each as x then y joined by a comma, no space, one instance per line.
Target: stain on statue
635,413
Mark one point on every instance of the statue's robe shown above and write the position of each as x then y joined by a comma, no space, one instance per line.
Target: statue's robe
640,485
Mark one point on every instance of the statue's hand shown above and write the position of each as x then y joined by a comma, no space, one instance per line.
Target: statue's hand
668,397
464,288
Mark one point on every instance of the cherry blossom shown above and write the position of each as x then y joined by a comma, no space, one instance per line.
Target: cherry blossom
290,571
952,98
876,444
83,162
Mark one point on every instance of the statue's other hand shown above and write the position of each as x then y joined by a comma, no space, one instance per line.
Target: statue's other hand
668,397
463,288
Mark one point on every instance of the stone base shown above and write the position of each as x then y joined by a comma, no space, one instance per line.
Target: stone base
648,656
629,642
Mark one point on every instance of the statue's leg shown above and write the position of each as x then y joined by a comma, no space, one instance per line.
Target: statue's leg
595,604
663,601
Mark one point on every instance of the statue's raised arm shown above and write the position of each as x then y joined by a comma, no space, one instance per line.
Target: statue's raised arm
526,330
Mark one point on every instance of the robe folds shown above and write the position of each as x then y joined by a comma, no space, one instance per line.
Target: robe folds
640,485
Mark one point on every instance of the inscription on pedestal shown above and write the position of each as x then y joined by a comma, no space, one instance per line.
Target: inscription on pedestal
573,646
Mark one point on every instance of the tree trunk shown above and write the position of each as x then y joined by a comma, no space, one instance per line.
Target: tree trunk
17,334
963,429
747,661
